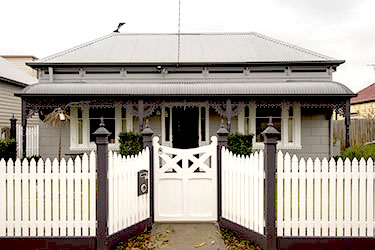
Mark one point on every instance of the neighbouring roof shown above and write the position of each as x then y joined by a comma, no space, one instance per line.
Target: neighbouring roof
190,88
194,48
12,74
365,95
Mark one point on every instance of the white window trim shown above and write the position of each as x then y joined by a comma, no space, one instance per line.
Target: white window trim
283,144
207,122
87,145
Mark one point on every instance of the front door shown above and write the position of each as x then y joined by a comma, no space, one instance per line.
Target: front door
185,130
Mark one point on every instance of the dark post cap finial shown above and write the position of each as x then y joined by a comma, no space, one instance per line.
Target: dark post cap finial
13,117
147,130
270,121
270,133
101,131
222,130
101,122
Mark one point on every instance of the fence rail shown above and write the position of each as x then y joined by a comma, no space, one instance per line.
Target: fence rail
243,189
325,198
48,199
125,207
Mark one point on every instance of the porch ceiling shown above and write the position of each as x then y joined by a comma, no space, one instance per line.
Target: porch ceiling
190,88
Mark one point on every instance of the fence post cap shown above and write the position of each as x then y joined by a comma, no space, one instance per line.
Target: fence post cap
13,118
147,131
101,131
222,130
270,133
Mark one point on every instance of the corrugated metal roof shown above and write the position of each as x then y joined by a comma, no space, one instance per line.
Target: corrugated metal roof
190,88
365,95
194,48
11,72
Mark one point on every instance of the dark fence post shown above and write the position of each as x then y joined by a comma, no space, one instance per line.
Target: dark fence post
13,131
24,126
101,135
270,140
347,124
222,140
147,134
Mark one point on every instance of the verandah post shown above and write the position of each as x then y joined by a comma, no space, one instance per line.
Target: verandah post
222,139
101,140
270,140
147,134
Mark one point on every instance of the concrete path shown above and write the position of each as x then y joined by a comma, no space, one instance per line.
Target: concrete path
186,236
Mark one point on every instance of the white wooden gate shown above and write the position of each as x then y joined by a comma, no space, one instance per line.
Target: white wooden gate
185,183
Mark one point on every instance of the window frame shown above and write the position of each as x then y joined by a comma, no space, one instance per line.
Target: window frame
283,143
86,144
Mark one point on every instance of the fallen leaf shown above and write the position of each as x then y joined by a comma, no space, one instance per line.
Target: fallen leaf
168,231
200,245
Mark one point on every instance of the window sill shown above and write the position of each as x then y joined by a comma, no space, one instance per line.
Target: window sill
260,146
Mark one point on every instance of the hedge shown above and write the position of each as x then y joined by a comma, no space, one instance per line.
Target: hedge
8,149
130,143
240,144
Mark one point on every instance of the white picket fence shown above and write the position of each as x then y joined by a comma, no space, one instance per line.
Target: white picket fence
48,199
325,199
32,140
126,208
243,189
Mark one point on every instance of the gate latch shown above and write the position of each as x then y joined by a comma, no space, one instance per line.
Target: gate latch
142,182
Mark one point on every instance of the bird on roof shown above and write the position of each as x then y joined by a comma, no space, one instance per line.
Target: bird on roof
118,28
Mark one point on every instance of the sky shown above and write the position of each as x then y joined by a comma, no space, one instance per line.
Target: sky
342,29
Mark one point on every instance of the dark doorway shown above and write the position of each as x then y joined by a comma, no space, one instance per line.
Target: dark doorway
185,127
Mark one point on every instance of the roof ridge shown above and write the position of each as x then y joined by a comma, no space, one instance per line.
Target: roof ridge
310,52
67,51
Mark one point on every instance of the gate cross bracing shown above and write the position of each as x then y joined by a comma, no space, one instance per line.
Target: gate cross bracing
185,183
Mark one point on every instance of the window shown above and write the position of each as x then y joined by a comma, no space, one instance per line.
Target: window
80,127
286,119
109,120
123,120
85,121
263,116
247,120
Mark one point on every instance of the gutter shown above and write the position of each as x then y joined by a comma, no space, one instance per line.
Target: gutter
190,64
13,82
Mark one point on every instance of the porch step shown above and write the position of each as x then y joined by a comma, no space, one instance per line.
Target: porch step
186,236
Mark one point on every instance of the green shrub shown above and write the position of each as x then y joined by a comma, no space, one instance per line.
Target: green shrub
35,157
358,152
8,149
240,144
130,143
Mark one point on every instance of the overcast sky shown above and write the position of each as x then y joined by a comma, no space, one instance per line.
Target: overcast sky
343,29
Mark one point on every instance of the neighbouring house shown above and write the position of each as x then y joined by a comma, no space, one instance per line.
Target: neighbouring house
12,80
185,84
363,105
21,60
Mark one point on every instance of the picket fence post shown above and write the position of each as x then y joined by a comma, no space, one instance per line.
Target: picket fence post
147,134
101,141
222,135
270,140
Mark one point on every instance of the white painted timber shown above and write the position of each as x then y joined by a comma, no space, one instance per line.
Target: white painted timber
325,198
185,183
242,185
45,200
126,208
